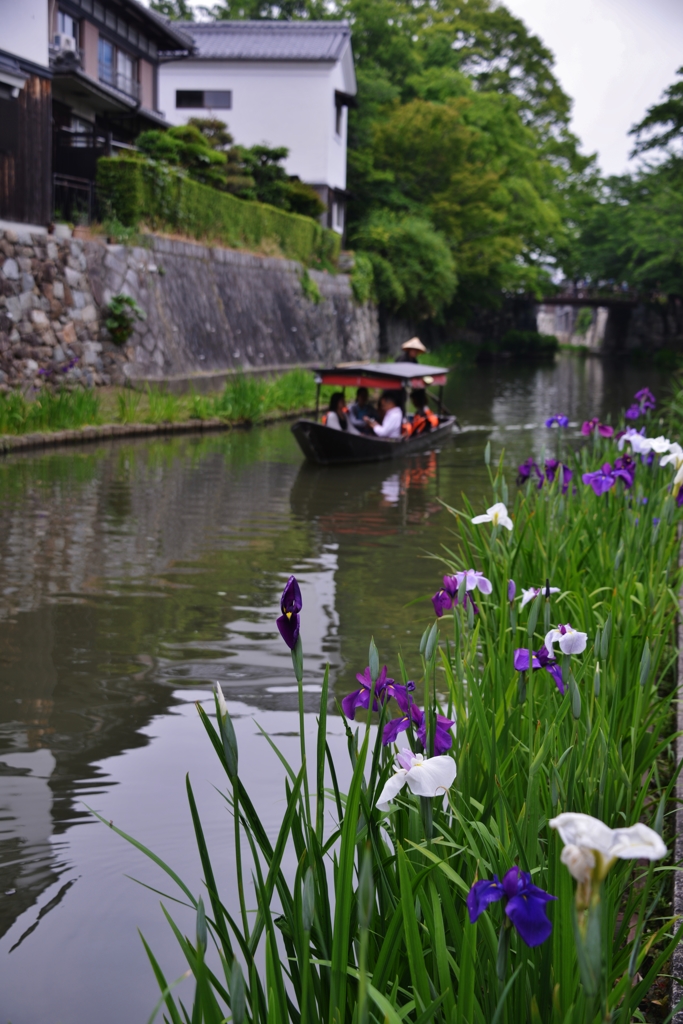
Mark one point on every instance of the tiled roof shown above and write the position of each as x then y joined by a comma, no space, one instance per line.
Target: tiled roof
268,40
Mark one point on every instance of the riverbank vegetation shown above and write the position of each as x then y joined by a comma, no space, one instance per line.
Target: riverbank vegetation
244,399
503,850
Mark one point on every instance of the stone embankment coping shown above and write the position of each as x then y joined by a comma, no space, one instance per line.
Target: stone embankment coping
211,380
81,435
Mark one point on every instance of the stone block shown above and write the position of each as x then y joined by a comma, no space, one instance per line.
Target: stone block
76,247
28,282
5,248
91,353
48,290
31,367
58,354
79,299
11,236
24,264
58,290
89,314
26,251
40,319
72,276
26,300
10,269
67,336
13,306
52,251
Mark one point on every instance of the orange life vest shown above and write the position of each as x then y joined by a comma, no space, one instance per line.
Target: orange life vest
424,420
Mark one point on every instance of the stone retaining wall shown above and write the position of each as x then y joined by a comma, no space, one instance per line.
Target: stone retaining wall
50,324
207,310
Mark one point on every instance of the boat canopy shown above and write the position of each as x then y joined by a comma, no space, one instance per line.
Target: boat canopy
388,376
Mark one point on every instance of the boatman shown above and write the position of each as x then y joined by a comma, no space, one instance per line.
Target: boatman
392,418
410,350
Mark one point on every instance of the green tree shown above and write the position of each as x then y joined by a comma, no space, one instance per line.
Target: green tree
414,269
176,10
663,122
237,178
185,145
285,10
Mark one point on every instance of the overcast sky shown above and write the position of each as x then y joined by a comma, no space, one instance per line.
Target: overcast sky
614,58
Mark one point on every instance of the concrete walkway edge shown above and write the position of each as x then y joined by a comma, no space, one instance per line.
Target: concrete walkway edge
51,439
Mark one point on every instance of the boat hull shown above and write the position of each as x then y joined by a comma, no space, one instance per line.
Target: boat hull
326,447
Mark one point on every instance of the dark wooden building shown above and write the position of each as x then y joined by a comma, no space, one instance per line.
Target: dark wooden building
25,141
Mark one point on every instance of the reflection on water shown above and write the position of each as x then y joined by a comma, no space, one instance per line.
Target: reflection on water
134,575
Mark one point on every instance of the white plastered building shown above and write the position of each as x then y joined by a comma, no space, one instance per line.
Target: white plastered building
278,83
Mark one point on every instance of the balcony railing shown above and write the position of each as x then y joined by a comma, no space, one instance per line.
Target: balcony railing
120,82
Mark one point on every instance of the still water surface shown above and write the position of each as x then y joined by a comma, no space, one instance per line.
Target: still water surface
133,575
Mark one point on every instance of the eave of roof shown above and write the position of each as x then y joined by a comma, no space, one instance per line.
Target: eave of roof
164,26
323,41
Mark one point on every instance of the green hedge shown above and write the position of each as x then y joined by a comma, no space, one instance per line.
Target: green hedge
134,190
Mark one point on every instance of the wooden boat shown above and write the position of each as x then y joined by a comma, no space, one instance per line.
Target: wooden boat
325,446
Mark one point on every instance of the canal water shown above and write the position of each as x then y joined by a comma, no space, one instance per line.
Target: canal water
135,574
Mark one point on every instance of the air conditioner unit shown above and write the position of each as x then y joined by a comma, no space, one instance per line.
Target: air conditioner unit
65,44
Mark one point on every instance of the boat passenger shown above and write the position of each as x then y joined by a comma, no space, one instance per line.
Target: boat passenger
410,350
392,416
361,408
423,419
335,417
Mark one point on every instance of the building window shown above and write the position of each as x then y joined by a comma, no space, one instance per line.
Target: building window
207,100
117,68
338,118
67,26
338,210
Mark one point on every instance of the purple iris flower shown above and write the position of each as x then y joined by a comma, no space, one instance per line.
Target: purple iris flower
552,467
679,498
625,467
525,470
539,659
656,521
562,421
601,480
512,586
290,606
447,597
605,478
602,428
646,398
415,716
525,904
360,698
644,401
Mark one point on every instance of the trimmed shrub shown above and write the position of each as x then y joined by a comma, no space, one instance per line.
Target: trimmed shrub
121,190
133,190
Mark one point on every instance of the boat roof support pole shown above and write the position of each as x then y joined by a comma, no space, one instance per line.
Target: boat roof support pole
317,401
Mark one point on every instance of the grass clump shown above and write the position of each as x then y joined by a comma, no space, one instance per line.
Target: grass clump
247,399
49,410
378,921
